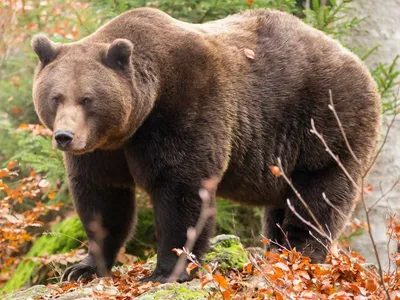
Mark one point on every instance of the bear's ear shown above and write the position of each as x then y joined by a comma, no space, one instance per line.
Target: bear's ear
119,52
44,48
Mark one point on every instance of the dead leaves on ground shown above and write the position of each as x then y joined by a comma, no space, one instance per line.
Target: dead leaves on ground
285,275
15,228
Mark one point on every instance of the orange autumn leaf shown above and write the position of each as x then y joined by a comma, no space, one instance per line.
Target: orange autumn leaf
4,172
190,268
249,268
278,295
397,258
11,164
265,241
23,126
15,81
178,251
205,279
52,194
208,268
226,295
221,280
15,110
371,285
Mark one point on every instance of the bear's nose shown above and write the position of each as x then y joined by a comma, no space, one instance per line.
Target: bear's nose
63,137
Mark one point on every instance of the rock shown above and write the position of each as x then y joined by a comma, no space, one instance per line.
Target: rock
177,291
34,292
227,251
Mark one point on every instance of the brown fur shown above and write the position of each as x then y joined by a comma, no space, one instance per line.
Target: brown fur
171,104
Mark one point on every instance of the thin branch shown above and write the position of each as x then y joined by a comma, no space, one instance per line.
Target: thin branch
384,195
275,243
381,277
335,157
332,108
285,234
319,231
288,181
336,209
193,233
360,189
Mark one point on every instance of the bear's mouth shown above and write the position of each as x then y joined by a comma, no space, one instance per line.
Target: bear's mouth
75,147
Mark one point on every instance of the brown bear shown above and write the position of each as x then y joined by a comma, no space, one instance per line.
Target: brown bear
153,102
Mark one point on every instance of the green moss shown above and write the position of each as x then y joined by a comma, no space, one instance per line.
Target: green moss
174,291
65,236
228,252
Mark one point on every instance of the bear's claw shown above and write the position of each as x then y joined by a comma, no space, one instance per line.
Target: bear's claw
78,272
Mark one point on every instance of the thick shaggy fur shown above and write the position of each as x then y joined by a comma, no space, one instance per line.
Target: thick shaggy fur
161,104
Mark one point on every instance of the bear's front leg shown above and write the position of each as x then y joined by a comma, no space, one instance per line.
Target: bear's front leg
177,207
104,200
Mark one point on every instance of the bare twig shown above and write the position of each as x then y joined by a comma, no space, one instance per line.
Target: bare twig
384,195
334,156
275,243
337,209
193,233
371,236
389,233
288,181
285,234
357,186
332,108
320,231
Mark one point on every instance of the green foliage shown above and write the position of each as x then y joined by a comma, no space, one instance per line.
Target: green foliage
194,11
331,18
233,218
66,236
387,77
34,152
16,90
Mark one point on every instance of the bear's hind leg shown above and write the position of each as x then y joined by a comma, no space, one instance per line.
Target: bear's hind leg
311,185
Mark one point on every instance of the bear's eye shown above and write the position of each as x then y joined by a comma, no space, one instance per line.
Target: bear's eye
86,101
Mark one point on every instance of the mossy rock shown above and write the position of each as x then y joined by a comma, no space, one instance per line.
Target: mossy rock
34,292
65,236
227,250
174,291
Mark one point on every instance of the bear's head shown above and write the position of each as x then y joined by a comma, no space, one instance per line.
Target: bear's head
84,93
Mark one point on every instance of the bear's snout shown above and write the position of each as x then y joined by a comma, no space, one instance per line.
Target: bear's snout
63,138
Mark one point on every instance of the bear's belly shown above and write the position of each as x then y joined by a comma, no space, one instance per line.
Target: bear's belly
251,188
